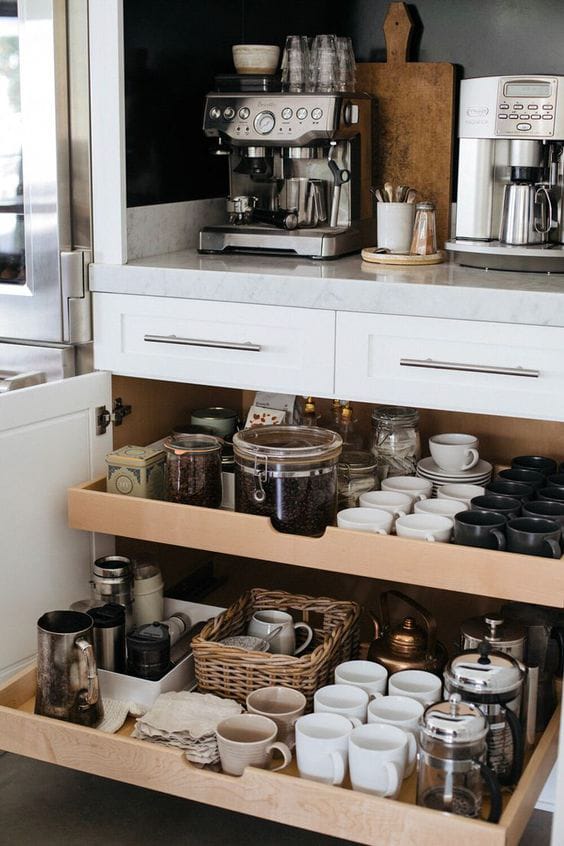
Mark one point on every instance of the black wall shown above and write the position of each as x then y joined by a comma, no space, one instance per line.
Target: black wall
173,49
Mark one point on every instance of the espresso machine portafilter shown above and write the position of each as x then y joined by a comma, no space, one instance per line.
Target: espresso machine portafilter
298,166
510,195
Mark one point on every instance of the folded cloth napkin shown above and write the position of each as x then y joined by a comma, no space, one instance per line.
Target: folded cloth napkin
187,721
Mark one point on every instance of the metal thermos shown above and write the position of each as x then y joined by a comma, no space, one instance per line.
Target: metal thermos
407,646
452,767
527,214
109,637
493,681
67,678
148,651
112,581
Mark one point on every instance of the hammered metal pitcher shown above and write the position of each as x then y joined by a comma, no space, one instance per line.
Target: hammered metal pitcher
67,677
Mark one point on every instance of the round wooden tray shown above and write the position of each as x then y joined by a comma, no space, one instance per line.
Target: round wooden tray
369,255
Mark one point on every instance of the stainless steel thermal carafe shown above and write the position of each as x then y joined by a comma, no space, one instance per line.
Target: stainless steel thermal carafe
112,581
67,677
527,214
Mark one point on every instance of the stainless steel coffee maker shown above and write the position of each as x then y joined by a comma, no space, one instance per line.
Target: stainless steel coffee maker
510,196
300,166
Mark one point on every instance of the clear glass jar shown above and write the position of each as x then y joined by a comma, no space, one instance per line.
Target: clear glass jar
288,473
193,470
424,238
356,475
396,442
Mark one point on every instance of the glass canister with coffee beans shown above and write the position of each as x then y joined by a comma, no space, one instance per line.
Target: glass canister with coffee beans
288,473
193,470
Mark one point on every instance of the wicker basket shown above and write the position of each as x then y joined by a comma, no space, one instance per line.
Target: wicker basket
234,673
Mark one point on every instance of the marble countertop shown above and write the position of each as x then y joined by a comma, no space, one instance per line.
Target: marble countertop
345,284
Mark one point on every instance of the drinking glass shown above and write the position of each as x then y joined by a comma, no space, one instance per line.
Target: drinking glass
323,64
295,64
346,65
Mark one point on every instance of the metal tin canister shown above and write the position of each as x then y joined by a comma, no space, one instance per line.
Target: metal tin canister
136,471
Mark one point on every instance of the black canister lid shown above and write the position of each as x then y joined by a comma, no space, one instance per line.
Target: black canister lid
151,636
107,616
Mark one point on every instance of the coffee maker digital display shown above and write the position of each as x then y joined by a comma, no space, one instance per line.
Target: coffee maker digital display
510,198
300,166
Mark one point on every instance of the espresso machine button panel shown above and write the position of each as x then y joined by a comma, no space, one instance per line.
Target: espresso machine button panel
517,96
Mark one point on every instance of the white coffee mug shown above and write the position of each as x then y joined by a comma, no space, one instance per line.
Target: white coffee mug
428,527
378,758
322,742
461,492
264,623
414,486
344,699
444,507
396,504
454,452
365,520
425,687
369,676
404,713
249,740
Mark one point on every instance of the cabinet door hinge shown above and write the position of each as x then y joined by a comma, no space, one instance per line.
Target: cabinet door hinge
104,417
77,305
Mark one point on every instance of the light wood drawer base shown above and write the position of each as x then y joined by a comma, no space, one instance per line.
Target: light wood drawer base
279,797
438,565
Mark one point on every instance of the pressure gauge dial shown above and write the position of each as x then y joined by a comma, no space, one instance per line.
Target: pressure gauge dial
264,123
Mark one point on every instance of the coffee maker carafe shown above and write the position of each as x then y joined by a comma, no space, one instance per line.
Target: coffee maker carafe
299,167
510,194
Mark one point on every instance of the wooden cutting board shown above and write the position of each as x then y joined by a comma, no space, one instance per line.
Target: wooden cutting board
415,123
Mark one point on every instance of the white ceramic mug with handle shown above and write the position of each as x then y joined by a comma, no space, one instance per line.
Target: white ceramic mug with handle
404,713
414,486
344,699
322,742
428,527
249,740
378,758
365,520
369,676
425,687
454,452
264,623
396,504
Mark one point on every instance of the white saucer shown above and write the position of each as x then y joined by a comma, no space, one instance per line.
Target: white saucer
428,469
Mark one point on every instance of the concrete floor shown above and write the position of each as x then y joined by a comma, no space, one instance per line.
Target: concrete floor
44,805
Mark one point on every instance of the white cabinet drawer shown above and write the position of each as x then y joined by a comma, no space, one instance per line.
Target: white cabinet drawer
215,343
463,365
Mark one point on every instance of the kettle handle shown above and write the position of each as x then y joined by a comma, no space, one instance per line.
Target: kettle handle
430,623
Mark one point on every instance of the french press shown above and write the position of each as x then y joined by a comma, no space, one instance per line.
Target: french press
452,768
493,681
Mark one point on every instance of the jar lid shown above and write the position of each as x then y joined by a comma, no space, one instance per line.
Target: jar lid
425,206
484,671
454,722
214,413
287,442
494,629
395,414
134,456
357,461
193,444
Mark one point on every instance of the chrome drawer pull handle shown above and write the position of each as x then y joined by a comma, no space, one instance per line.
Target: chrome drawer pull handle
246,346
468,368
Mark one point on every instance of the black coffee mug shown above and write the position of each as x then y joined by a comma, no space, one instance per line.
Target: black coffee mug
480,528
534,536
505,487
556,481
543,465
553,494
529,477
506,505
549,509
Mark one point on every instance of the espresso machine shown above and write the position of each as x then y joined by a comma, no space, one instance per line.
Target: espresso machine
300,166
510,198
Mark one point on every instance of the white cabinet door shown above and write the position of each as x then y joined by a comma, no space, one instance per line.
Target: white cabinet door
48,442
459,365
237,345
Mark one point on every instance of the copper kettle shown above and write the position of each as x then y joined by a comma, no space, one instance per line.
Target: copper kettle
408,646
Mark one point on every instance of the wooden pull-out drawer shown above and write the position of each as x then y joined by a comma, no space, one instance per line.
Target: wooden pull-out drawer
214,343
462,365
282,797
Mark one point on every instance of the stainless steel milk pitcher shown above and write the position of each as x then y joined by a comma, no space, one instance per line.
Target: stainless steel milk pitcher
67,677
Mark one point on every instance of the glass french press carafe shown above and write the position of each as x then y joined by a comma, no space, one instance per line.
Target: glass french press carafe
452,769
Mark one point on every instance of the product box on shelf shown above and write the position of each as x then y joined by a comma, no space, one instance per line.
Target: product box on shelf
144,692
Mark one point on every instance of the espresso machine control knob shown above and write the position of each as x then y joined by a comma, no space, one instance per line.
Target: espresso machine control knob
215,113
264,123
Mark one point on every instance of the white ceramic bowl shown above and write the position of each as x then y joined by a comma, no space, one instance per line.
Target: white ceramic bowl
255,58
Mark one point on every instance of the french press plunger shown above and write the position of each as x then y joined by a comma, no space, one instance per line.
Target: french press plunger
451,770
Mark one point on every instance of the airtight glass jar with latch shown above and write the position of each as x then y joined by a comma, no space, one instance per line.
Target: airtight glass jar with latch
357,475
193,470
396,442
288,473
